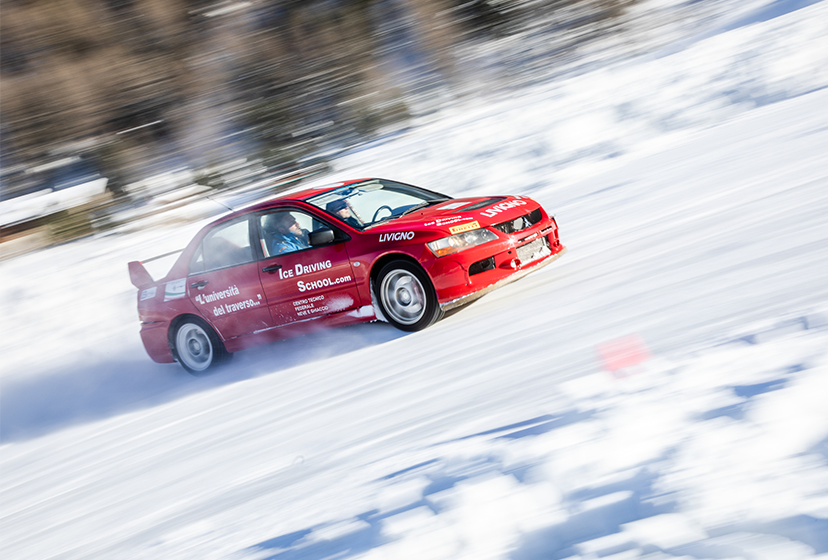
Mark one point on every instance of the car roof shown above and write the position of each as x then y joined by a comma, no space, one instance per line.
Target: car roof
289,195
308,192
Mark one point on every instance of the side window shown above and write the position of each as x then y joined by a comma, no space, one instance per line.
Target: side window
285,231
226,245
197,260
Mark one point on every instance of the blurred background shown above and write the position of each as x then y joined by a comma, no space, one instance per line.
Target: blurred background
109,104
123,122
114,109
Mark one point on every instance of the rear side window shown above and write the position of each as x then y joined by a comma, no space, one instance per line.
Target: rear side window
226,245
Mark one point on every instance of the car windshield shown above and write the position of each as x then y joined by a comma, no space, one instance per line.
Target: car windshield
366,204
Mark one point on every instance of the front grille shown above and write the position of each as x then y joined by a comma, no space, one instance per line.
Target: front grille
521,223
482,266
534,250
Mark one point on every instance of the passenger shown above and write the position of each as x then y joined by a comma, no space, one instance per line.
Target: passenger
286,234
339,208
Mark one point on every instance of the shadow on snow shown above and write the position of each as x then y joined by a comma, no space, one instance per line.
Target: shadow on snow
593,511
81,393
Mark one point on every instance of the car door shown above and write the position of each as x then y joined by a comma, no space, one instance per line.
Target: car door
223,282
301,281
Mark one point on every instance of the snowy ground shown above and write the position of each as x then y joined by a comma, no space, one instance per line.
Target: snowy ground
498,433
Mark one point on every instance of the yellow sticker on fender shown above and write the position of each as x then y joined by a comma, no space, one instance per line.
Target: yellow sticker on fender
465,227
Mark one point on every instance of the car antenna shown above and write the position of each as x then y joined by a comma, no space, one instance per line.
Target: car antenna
220,203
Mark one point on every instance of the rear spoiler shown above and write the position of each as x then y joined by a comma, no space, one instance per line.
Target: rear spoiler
139,276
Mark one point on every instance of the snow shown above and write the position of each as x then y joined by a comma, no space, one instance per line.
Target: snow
690,191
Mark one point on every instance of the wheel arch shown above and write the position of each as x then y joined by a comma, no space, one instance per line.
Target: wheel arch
387,258
431,312
176,322
220,355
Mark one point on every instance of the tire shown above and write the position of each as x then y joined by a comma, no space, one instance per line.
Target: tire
197,347
406,296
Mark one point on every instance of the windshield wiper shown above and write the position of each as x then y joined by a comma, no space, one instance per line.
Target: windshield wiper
378,222
406,211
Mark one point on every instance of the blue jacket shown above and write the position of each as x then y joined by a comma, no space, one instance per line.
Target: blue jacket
288,243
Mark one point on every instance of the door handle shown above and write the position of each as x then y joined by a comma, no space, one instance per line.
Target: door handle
200,284
272,268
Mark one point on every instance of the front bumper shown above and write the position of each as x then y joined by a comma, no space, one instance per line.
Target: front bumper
516,275
524,244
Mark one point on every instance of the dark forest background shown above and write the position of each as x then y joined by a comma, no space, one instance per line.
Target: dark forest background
139,87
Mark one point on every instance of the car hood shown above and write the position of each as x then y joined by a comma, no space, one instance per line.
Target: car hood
462,214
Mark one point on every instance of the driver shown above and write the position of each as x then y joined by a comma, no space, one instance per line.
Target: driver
339,208
286,233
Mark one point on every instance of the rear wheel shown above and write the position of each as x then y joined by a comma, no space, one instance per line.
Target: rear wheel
406,296
197,347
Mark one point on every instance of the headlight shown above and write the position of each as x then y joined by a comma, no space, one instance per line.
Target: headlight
460,241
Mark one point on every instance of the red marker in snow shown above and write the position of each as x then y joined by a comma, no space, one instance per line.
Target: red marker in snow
624,352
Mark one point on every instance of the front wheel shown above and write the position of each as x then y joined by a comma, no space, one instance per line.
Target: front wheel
406,296
197,347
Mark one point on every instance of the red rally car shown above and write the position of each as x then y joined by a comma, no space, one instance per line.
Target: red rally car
346,253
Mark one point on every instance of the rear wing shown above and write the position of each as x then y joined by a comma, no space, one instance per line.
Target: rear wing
139,276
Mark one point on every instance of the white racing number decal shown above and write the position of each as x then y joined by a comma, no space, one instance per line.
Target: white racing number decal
324,282
502,207
398,236
309,306
301,269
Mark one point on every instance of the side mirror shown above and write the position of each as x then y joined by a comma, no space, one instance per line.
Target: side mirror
321,237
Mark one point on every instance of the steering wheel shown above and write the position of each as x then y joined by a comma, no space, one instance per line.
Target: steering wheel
390,211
